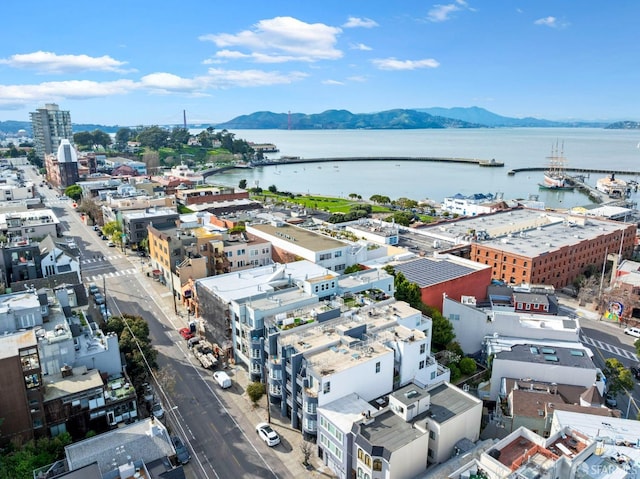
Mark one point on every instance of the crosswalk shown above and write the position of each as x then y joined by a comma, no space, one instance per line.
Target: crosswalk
100,259
114,274
610,348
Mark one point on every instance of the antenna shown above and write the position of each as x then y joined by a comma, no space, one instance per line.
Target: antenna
184,118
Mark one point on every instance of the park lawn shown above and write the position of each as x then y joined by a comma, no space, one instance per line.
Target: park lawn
326,203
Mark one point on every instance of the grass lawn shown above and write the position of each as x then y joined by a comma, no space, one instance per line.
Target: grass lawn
328,203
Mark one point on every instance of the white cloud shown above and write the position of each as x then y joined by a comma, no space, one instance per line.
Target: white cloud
551,22
332,82
394,64
283,39
360,46
168,82
219,78
357,78
73,89
442,13
354,22
49,62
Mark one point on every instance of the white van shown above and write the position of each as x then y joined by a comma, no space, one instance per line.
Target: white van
632,332
223,379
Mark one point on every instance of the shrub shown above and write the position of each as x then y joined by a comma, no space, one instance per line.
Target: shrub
255,391
467,366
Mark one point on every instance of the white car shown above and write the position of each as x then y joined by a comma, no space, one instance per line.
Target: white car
223,379
267,434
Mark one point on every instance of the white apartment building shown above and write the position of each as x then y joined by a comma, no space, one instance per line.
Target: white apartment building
332,254
30,224
472,324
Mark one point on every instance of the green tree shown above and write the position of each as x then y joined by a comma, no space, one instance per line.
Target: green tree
83,139
20,463
404,218
380,199
406,203
112,230
407,291
354,268
135,344
179,137
123,136
467,366
618,376
273,189
255,391
101,138
74,192
242,184
154,137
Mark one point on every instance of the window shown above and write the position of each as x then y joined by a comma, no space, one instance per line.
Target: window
378,367
326,387
360,454
430,452
432,434
421,366
337,254
367,460
377,465
423,348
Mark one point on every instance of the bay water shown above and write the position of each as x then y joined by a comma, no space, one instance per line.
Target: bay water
515,147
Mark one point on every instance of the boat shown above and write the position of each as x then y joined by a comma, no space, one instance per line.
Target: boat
555,177
612,186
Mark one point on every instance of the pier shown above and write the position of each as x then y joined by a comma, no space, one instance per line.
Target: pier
576,170
294,160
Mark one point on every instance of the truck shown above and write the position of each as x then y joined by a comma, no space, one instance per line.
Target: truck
204,352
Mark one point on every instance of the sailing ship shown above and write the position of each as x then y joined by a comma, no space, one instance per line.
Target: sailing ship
555,176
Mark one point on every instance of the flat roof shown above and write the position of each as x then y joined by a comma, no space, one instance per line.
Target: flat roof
81,379
447,402
550,355
390,431
256,281
524,231
11,343
345,411
302,237
614,428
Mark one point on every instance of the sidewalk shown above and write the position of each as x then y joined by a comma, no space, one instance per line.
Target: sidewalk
289,451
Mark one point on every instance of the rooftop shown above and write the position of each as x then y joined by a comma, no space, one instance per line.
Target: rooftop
11,343
304,238
550,355
81,379
389,431
345,411
447,401
525,231
429,271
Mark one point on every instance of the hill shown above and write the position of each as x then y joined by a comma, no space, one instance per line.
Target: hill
344,120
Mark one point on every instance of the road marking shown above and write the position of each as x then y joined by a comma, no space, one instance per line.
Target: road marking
113,274
625,353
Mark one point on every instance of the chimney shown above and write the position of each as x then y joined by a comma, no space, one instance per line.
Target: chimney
66,371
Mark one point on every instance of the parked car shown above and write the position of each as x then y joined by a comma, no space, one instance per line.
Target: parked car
105,311
610,400
267,434
182,453
141,253
223,379
186,333
98,298
635,371
93,288
148,392
157,410
111,244
635,332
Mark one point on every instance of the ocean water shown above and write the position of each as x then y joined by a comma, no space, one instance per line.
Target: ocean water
515,147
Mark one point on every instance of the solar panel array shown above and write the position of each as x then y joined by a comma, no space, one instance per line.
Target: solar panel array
427,272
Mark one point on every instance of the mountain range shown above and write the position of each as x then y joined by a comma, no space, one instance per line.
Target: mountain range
459,117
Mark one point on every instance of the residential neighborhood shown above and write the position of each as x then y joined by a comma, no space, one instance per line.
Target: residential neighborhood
154,311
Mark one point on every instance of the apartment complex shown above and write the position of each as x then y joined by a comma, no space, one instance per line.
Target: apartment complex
50,126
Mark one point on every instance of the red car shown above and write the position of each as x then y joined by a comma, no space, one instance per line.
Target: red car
186,333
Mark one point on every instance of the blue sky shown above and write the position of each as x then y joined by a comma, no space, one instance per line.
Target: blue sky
124,62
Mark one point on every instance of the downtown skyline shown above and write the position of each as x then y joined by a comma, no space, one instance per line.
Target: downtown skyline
141,63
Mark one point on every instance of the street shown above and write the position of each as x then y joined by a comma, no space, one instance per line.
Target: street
211,421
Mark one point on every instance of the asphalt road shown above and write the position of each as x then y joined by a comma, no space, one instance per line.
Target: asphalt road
211,423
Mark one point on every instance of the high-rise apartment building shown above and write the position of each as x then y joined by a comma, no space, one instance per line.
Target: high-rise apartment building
50,125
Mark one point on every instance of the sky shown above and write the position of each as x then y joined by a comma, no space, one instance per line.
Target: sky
141,62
